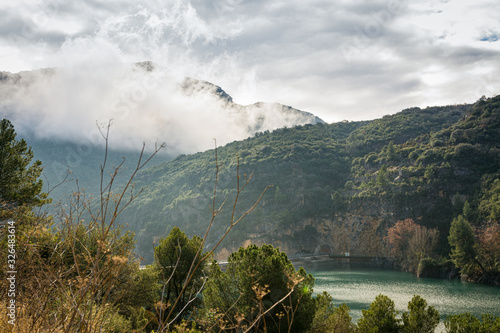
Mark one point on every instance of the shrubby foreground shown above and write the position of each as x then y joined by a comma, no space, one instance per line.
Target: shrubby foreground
83,276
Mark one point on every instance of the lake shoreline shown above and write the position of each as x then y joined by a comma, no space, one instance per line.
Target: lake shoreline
358,287
444,271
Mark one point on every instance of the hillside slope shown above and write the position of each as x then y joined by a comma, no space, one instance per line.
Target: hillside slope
147,104
340,185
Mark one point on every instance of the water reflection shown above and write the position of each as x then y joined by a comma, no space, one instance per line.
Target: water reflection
359,287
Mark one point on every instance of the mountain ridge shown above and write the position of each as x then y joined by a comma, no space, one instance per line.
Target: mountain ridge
138,85
62,145
317,171
337,187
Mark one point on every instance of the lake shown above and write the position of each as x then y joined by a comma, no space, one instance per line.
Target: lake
359,287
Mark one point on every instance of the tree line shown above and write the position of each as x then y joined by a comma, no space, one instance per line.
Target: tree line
77,275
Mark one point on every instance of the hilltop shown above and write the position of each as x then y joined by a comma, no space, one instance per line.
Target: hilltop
337,186
146,102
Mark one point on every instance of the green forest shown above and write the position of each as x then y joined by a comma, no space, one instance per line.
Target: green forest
428,178
421,187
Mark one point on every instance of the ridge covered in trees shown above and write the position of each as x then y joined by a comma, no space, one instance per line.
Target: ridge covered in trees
346,185
80,273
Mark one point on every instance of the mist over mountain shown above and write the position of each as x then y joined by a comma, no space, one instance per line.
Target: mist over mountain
146,102
340,186
63,114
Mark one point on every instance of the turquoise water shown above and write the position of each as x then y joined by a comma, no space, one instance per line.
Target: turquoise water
359,287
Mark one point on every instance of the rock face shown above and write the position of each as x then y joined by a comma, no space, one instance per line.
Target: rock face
260,116
358,231
323,249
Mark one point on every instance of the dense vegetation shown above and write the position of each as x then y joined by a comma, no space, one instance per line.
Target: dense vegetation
83,276
66,162
19,181
308,166
345,185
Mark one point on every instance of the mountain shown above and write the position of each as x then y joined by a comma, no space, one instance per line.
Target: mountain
262,115
71,167
339,186
56,110
147,102
335,188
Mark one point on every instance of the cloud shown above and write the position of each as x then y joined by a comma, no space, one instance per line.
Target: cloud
340,60
146,103
489,35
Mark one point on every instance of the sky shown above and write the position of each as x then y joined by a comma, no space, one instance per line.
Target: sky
340,60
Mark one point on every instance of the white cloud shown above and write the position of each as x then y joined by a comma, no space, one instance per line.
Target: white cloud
147,103
339,60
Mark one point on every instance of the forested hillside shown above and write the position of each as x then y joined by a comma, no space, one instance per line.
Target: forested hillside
421,186
339,187
70,166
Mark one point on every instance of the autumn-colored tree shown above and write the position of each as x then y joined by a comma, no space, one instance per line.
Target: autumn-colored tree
410,242
423,242
399,235
488,247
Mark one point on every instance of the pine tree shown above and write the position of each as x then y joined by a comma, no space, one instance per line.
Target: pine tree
380,317
463,246
176,255
420,318
257,278
19,181
382,176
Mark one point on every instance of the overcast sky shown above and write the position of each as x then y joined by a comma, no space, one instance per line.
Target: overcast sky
356,59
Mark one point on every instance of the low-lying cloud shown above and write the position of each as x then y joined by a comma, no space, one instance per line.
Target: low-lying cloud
146,103
337,59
